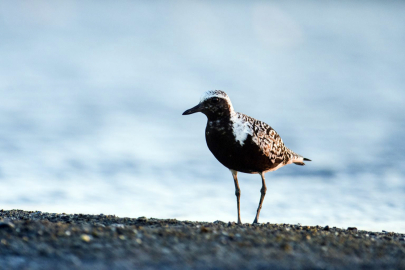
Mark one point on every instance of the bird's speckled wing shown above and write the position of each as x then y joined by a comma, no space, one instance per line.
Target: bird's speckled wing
269,142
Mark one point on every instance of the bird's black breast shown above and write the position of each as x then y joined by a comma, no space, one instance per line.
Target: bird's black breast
247,158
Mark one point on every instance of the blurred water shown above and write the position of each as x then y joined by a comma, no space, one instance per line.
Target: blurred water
92,95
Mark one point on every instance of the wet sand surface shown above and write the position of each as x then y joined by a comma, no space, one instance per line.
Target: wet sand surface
36,240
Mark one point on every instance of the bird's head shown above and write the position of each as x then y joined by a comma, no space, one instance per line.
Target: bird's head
214,104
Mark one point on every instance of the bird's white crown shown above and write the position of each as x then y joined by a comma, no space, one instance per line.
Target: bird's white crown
218,94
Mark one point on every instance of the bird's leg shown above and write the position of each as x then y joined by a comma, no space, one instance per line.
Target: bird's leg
262,194
237,193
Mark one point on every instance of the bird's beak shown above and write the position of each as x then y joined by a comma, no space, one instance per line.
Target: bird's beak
195,109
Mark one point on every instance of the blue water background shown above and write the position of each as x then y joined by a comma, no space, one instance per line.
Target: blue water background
92,94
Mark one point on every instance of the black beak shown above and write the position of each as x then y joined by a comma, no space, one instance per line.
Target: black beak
193,110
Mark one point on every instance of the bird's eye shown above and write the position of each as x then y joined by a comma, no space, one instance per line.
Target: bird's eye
215,100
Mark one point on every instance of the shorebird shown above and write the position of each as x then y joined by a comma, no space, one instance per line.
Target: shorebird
242,143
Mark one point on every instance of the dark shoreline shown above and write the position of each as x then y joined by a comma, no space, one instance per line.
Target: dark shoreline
35,240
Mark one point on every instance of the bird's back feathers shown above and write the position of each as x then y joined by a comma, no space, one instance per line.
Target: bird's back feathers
266,138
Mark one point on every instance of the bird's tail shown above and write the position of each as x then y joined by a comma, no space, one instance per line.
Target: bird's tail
295,158
300,160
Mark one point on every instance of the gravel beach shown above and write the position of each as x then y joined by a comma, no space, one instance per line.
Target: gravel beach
36,240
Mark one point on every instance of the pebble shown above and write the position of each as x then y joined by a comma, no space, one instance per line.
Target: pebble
6,225
85,237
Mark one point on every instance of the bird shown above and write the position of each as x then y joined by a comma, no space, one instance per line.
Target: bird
242,143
